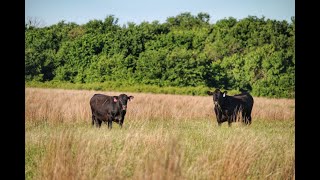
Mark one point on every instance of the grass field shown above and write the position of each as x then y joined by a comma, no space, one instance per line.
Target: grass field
163,137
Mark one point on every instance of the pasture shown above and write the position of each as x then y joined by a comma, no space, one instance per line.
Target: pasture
163,137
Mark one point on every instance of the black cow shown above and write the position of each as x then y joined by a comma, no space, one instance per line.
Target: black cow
109,108
227,108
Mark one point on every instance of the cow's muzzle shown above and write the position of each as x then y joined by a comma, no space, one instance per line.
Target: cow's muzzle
124,107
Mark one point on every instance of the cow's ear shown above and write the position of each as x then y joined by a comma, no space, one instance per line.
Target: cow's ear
131,98
115,99
209,93
224,93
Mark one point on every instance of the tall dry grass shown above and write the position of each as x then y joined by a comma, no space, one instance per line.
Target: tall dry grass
73,106
164,137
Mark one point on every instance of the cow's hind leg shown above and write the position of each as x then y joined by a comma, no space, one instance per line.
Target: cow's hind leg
244,118
98,122
247,118
93,119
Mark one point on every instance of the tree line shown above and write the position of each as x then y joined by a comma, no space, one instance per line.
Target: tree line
252,53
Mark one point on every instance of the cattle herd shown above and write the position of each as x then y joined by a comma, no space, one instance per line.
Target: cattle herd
110,109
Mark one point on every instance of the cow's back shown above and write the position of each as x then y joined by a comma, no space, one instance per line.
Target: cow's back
246,99
99,101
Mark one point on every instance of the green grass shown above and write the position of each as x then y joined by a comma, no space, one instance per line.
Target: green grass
125,87
195,149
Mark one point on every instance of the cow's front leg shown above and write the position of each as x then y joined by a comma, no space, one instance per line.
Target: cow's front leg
218,116
121,119
230,119
120,123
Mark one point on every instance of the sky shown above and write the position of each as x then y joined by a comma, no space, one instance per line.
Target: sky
50,12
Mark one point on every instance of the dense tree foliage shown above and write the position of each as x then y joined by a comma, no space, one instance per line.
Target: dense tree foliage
253,53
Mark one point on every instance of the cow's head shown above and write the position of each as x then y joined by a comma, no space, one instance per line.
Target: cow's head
123,100
218,96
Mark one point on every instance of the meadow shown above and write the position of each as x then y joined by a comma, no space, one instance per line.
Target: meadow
163,137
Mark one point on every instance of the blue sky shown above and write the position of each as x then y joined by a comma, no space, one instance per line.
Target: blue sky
81,11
